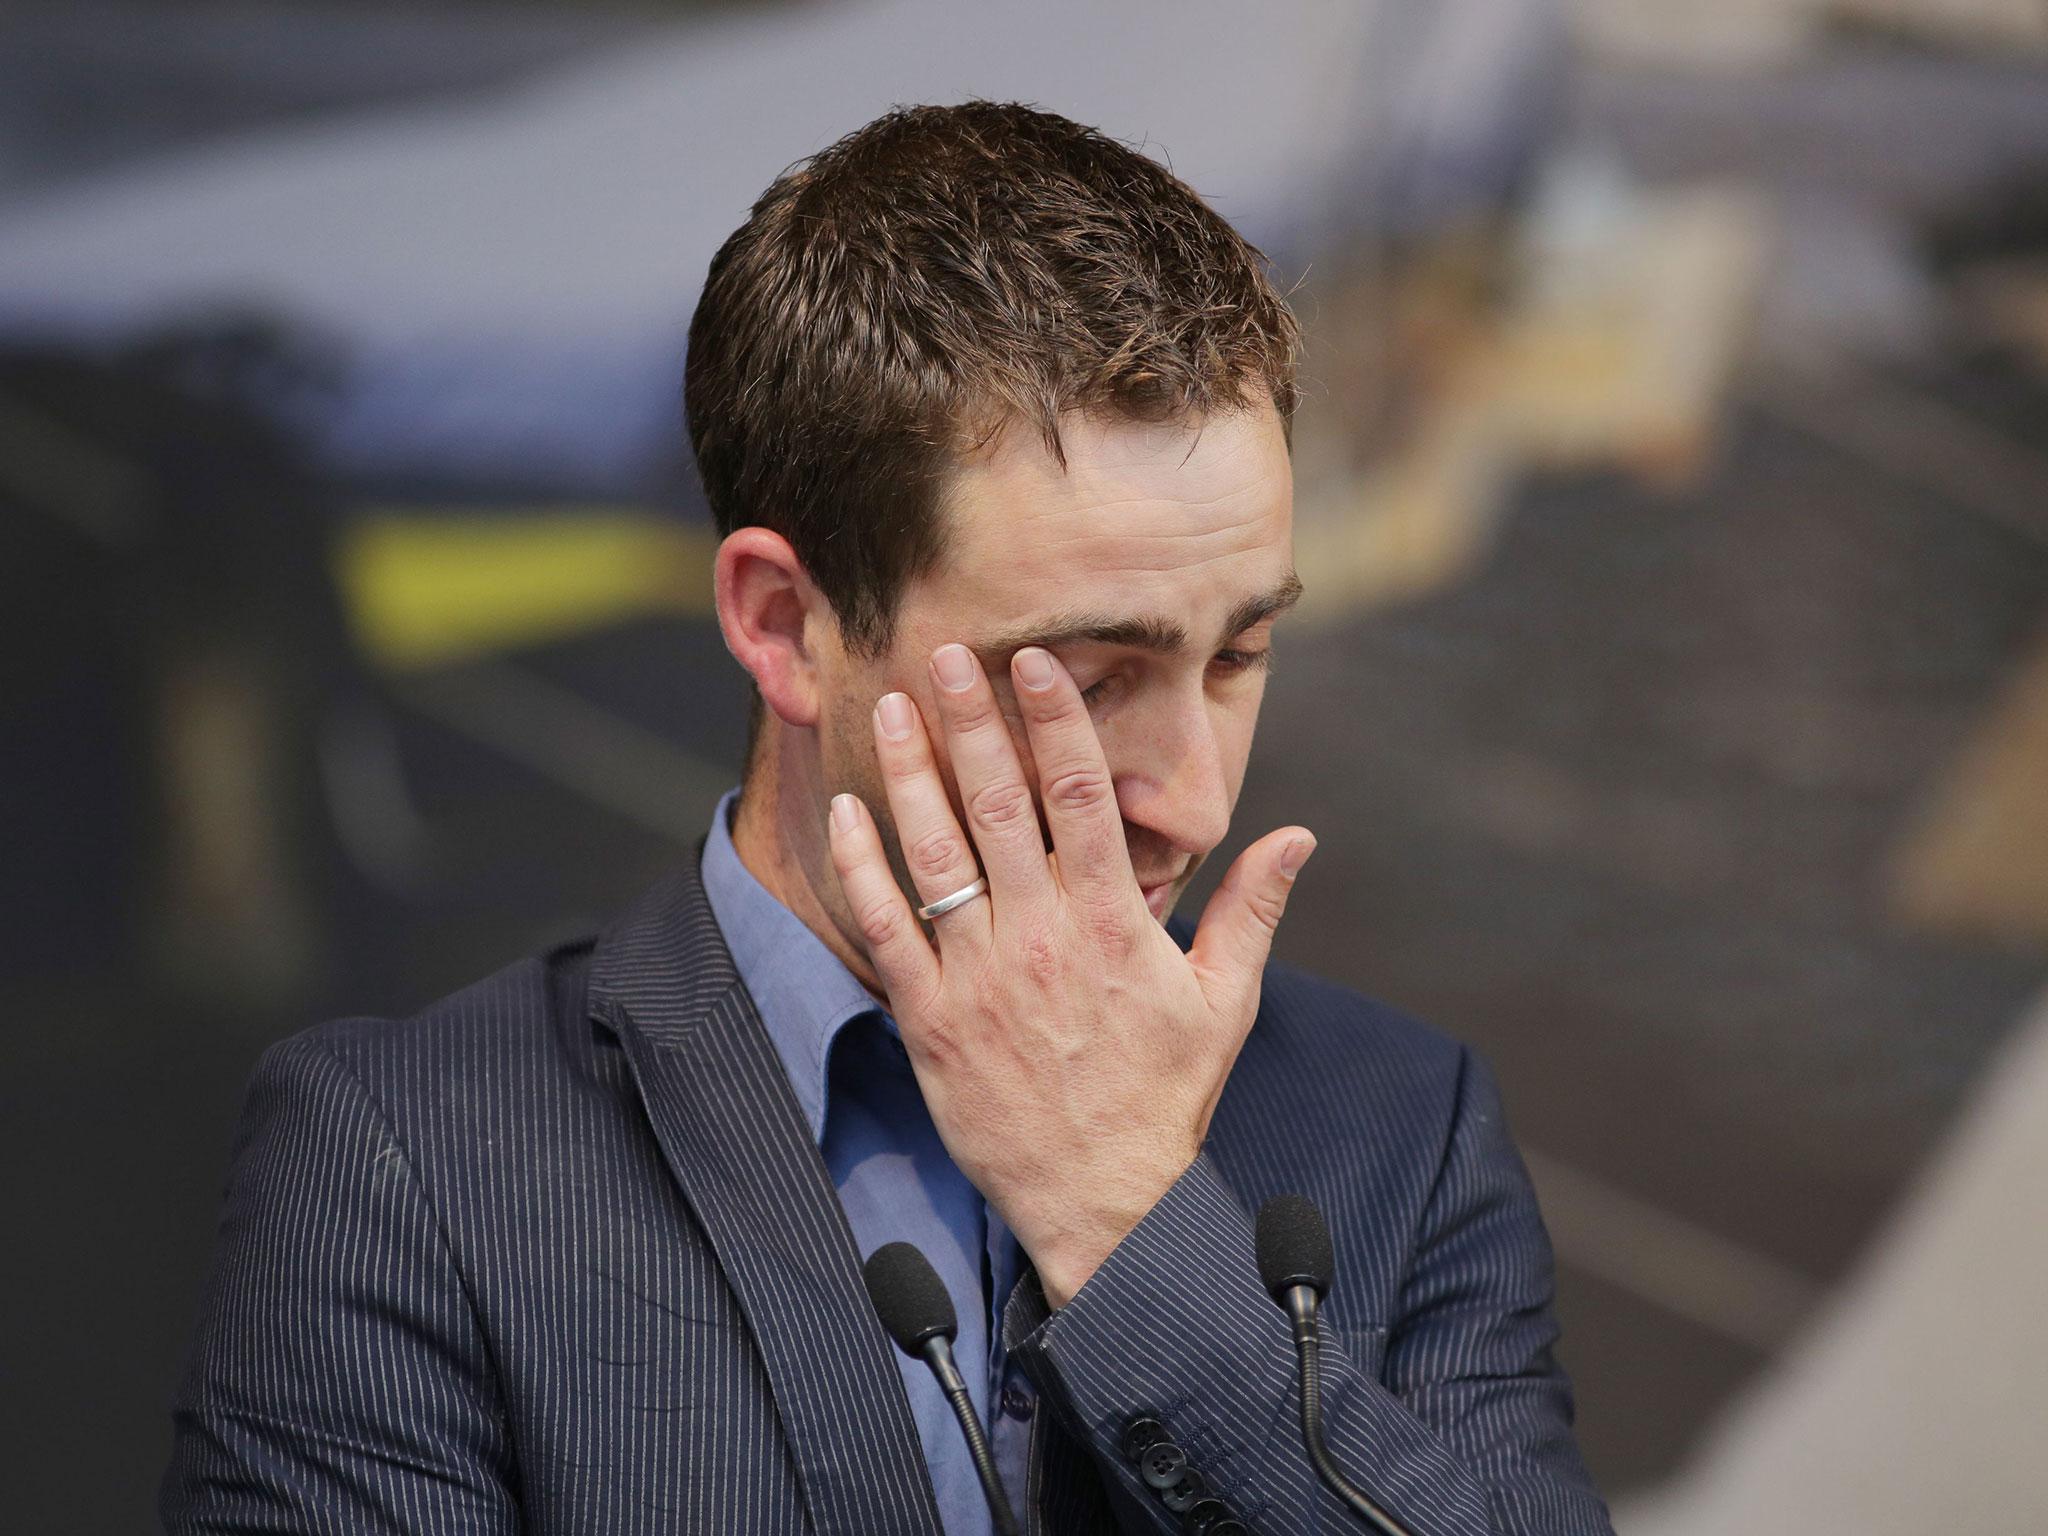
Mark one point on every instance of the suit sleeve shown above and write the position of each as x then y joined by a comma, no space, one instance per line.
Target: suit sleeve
339,1380
1465,1432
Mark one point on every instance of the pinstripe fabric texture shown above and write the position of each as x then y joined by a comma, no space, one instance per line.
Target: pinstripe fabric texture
559,1254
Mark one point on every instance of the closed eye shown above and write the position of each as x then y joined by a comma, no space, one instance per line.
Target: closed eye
1232,662
1244,661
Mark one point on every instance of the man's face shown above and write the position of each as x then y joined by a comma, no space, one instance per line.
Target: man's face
1153,565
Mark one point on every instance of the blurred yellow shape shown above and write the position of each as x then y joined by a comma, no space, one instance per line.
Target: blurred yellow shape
424,587
1622,355
1977,861
1611,353
1415,524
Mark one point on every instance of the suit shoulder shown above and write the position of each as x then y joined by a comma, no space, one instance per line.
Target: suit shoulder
1305,1019
1309,1019
494,1022
1351,1102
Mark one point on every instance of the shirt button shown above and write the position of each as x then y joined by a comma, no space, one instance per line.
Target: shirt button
1017,1401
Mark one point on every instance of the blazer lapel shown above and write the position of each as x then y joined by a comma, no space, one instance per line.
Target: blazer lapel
737,1143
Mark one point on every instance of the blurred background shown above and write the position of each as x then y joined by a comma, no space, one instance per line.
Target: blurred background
1671,697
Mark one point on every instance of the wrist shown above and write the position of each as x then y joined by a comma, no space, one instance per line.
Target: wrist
1080,1236
1061,1276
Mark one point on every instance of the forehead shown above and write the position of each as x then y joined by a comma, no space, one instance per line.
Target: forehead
1174,517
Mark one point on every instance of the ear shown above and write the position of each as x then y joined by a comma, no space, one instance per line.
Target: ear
767,607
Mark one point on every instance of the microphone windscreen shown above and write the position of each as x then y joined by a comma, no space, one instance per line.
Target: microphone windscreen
1294,1246
909,1297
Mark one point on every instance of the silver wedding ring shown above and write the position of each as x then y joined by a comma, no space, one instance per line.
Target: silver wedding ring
961,897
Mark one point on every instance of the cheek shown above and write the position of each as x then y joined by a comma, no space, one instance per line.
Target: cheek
1150,722
849,746
1237,720
848,750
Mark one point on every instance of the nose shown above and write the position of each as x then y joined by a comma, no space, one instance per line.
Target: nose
1170,779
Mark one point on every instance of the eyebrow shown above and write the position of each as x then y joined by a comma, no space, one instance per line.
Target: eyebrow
1143,632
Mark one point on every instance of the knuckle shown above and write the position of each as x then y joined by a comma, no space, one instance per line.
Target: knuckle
1038,958
938,1041
1081,787
905,763
1049,709
1266,905
1001,806
972,711
937,852
878,917
1115,936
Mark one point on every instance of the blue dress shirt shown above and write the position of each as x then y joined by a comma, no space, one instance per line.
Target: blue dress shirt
854,1082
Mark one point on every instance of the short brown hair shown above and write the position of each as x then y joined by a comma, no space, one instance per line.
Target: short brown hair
942,272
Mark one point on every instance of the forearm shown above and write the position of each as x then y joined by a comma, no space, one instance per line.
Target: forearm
1175,1327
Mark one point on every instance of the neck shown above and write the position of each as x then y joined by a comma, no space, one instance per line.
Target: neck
779,835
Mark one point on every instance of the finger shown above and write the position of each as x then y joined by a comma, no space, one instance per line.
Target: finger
1074,782
901,953
1001,812
1235,935
935,848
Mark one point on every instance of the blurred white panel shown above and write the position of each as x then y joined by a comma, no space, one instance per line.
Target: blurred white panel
507,280
1920,1400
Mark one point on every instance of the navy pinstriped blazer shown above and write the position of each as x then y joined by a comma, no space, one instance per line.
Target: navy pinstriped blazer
560,1255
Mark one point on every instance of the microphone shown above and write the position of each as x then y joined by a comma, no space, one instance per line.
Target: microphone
917,1313
1296,1262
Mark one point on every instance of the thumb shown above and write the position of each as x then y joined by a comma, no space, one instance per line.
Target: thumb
1235,934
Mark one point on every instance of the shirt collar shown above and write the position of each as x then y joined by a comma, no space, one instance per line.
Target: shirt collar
804,992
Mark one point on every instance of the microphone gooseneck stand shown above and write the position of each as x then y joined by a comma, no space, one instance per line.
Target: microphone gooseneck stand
1296,1262
917,1313
938,1354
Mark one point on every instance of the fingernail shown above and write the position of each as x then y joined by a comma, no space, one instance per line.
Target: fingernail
1295,854
894,711
954,666
1034,667
843,813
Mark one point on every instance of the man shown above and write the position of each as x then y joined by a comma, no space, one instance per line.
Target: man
992,413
